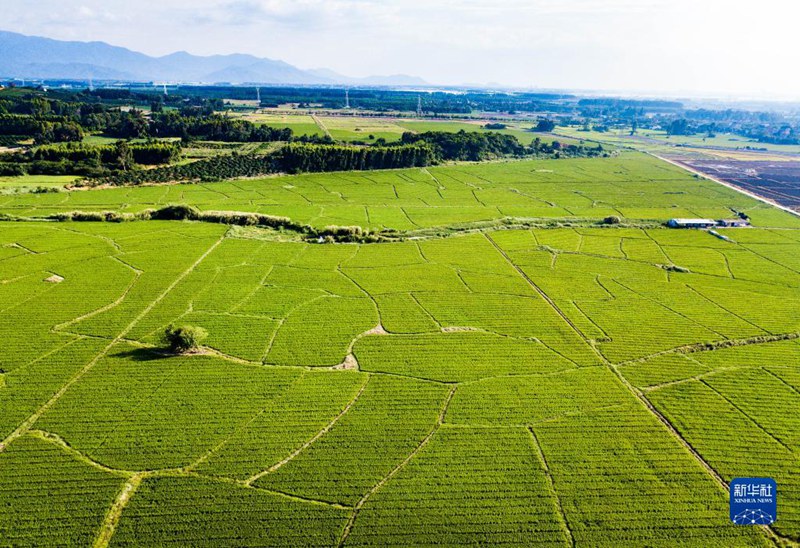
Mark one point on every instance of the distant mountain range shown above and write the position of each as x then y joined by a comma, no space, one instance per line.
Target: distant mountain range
33,57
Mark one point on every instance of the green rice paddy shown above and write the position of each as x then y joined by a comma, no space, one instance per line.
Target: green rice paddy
479,382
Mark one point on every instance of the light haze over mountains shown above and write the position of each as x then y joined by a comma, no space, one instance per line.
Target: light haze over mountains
32,57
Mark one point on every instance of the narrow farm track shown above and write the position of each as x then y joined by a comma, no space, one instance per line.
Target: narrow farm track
28,423
768,531
49,353
654,387
60,442
728,310
321,125
662,305
538,289
133,480
111,520
747,415
782,381
727,343
73,321
252,479
357,508
211,452
551,487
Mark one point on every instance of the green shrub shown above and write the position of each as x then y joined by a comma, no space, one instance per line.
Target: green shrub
184,338
676,268
10,169
178,212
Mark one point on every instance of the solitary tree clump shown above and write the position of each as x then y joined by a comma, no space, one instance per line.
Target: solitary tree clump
612,220
184,338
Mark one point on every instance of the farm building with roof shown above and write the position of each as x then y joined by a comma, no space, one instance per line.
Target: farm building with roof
706,223
691,223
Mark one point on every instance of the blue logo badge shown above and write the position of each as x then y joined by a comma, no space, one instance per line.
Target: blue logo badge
754,501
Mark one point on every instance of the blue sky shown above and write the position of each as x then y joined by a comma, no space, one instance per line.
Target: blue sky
732,47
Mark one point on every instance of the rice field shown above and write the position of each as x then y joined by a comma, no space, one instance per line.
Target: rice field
511,386
27,182
300,124
349,128
632,186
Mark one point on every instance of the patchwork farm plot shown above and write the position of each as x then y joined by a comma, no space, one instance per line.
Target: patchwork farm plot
633,186
541,386
300,124
370,128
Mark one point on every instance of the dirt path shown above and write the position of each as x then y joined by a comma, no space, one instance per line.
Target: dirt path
321,125
252,479
551,487
541,293
357,508
115,512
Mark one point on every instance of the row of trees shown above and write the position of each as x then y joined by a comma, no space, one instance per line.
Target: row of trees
293,158
463,146
297,158
149,153
471,146
213,128
42,131
87,160
52,120
418,150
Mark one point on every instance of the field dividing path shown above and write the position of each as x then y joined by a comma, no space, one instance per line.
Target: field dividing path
252,479
115,512
539,290
563,522
357,508
321,125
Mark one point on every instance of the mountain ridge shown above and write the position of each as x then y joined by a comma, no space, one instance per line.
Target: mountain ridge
34,57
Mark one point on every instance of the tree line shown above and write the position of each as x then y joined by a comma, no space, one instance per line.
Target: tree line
87,160
292,158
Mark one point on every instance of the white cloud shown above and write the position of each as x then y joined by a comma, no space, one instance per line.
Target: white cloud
639,44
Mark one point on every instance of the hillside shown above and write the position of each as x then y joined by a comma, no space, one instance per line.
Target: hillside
33,57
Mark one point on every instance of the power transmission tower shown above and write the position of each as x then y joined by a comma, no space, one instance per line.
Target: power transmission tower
419,106
165,90
347,99
258,96
91,84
